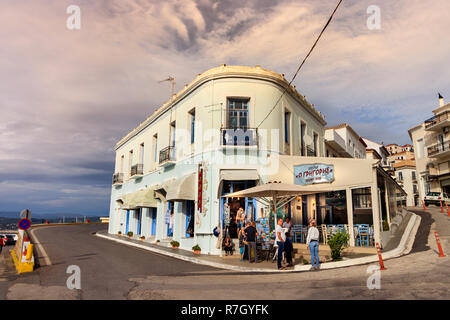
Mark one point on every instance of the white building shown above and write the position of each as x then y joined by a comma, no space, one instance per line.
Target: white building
223,133
406,176
342,141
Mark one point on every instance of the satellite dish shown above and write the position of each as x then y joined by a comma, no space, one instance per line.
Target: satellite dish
25,214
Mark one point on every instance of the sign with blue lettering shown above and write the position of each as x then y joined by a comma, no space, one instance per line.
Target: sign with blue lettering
313,173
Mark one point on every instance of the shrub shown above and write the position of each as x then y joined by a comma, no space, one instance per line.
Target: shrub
196,248
336,243
130,233
305,261
120,232
174,243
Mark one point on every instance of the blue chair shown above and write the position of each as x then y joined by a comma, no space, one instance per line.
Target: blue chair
297,231
363,235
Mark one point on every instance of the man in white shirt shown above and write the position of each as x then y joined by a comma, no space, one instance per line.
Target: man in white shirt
280,238
312,241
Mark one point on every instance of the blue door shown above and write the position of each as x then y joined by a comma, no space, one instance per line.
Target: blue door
128,222
138,217
153,232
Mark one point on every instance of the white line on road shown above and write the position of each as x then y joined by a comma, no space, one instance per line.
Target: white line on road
41,250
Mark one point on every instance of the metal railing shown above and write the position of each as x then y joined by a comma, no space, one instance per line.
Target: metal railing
137,169
438,148
117,178
436,119
310,152
167,154
239,136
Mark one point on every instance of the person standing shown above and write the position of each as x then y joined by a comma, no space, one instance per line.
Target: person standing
312,242
240,219
241,238
280,238
251,233
288,249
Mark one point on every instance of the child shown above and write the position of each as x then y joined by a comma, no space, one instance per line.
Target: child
241,244
288,249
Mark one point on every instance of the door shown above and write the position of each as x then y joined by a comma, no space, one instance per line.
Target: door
153,232
305,210
138,218
128,222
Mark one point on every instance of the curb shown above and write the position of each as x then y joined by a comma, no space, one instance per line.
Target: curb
403,248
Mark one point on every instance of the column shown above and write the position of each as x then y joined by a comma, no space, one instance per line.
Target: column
348,197
375,207
386,193
160,225
179,212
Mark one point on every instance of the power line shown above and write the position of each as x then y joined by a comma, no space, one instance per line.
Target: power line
303,62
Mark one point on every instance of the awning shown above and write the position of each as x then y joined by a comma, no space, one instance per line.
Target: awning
127,202
236,175
181,189
145,198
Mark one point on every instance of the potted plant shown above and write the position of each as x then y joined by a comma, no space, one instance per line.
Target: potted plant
119,233
157,242
142,238
130,234
196,249
174,244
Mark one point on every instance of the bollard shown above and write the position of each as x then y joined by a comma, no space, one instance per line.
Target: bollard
29,254
442,208
379,257
441,253
446,207
424,207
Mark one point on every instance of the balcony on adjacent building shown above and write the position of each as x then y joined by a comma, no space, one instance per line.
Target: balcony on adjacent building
310,152
137,171
167,156
438,122
239,137
439,150
335,141
117,178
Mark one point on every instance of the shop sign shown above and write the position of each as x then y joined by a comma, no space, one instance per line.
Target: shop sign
200,189
313,173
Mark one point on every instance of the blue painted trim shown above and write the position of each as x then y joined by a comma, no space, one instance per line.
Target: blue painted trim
128,222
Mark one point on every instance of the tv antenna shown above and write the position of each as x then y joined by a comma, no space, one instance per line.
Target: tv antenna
172,80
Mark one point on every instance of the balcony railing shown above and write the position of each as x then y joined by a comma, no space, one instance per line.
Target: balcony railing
117,178
167,154
239,136
438,148
310,152
437,119
137,170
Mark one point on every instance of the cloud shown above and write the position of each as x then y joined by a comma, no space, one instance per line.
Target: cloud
67,97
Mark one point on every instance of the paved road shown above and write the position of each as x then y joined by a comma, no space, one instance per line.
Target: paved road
113,271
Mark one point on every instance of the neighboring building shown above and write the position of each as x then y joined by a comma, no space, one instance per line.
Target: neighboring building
431,141
406,176
221,134
343,142
395,148
400,156
380,149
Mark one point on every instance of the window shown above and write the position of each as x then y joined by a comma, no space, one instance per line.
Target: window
190,206
155,148
287,129
400,176
130,159
142,153
122,160
302,138
192,121
413,173
238,113
315,141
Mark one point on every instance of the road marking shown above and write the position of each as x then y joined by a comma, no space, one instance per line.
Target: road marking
40,247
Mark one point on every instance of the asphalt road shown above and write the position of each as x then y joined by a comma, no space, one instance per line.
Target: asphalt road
114,271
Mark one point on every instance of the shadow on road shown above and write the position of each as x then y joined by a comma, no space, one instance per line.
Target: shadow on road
420,243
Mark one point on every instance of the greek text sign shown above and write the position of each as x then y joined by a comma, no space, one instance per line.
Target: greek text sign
313,173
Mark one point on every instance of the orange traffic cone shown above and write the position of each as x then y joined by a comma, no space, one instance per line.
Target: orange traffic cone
442,208
441,253
380,258
424,207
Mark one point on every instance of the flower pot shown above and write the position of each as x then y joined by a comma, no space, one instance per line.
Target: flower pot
196,251
173,247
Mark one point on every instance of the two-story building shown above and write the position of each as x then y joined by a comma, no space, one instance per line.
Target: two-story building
343,142
230,129
431,141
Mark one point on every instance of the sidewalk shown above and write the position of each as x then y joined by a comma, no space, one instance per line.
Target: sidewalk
400,244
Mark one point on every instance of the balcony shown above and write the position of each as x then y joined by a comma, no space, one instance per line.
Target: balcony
439,150
167,156
117,178
239,137
137,171
335,141
310,152
438,122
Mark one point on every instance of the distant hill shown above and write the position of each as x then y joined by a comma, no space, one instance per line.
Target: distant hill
15,215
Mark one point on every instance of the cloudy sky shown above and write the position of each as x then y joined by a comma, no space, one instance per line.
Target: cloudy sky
67,96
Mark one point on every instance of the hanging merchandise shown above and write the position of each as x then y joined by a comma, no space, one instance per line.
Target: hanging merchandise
226,214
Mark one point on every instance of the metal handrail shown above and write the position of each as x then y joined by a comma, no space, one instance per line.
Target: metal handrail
438,148
436,119
117,178
137,169
167,154
239,136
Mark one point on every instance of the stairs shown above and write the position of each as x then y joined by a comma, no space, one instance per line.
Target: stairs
301,252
